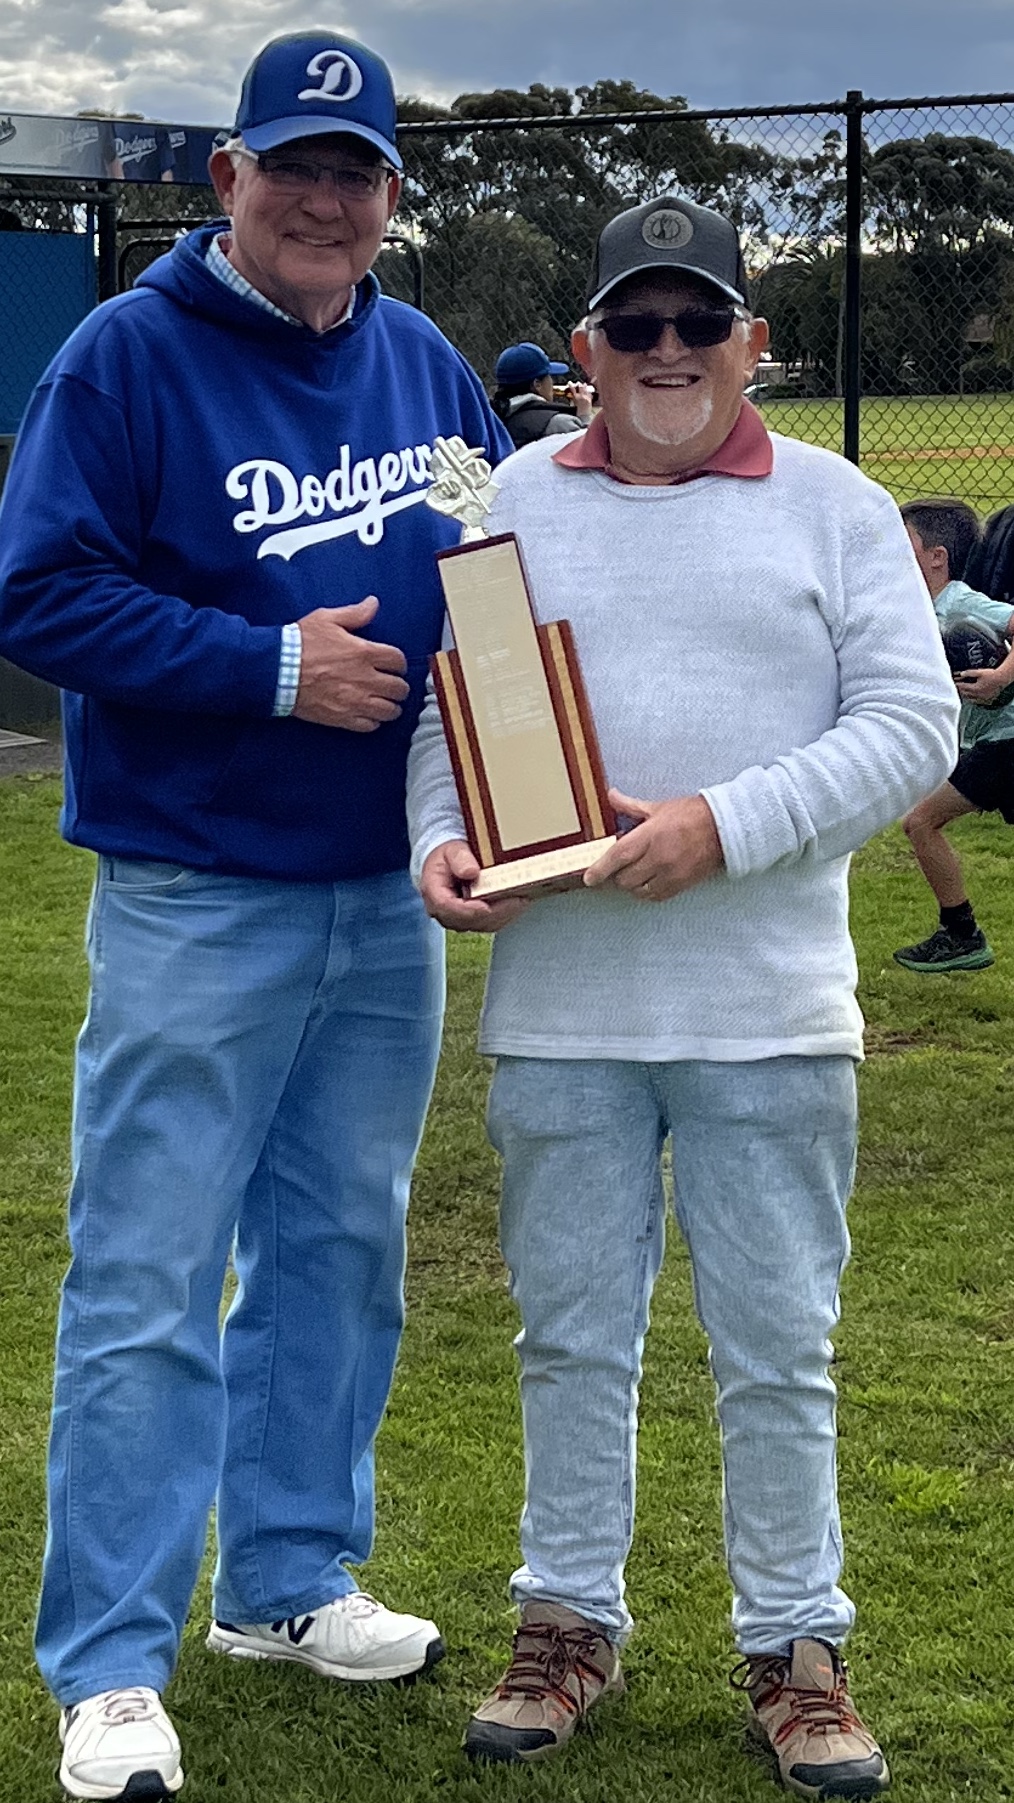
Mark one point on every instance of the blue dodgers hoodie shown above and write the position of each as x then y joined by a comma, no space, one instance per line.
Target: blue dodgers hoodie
191,474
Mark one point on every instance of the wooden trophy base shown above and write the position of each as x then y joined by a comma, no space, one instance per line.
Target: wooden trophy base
547,873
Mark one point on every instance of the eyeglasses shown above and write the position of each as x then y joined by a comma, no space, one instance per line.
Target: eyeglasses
298,174
696,327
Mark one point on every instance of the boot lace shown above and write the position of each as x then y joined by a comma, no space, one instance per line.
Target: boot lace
545,1657
765,1679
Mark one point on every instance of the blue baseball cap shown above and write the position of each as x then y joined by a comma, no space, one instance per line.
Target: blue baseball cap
526,363
312,82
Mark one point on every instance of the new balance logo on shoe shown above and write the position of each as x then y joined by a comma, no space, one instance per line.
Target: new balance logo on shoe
295,1628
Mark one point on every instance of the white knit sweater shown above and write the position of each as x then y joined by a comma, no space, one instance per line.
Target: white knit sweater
770,643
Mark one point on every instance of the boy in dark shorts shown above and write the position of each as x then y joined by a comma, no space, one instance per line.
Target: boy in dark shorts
943,535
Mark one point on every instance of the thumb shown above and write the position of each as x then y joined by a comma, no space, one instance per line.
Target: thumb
462,861
629,805
359,614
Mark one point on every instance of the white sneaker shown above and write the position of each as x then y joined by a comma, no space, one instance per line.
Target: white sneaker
353,1637
120,1744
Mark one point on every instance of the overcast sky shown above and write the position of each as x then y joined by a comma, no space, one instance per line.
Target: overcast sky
183,60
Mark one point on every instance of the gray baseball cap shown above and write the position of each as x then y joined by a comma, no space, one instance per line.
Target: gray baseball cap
669,233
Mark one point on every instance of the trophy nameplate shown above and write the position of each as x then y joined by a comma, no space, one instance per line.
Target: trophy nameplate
519,730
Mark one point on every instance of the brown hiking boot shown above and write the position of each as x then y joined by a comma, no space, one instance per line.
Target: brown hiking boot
801,1709
560,1666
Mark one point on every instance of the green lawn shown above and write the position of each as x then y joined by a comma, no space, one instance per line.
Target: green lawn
927,1411
942,446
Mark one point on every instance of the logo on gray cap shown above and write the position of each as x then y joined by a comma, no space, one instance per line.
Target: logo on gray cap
667,229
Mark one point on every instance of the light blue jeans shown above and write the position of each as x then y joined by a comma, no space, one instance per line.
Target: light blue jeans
763,1159
252,1077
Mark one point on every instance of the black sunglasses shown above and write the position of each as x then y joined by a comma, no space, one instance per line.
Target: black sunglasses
697,327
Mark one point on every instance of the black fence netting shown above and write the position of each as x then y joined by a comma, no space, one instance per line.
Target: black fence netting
507,218
904,206
937,348
150,219
908,204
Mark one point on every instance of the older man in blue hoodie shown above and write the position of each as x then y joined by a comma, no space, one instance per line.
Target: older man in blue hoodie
213,542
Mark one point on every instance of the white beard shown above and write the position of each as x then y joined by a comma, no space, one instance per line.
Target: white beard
696,406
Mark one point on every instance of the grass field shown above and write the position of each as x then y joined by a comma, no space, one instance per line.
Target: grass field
942,446
924,1367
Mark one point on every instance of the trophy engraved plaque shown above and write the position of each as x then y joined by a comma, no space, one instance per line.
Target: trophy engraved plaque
522,744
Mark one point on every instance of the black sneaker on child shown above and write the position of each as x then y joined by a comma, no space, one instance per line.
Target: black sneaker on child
944,950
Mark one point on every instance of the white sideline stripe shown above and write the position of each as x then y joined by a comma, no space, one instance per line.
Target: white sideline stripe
9,739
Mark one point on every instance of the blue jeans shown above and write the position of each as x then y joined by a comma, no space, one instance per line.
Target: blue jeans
252,1078
763,1158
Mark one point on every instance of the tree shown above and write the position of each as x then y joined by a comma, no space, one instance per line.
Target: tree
544,191
810,189
941,193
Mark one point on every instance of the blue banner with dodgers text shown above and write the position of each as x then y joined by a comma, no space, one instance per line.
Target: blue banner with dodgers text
123,150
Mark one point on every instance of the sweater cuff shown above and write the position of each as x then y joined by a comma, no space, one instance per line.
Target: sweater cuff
437,836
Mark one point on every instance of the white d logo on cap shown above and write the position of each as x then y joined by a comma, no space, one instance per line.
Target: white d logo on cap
341,78
667,229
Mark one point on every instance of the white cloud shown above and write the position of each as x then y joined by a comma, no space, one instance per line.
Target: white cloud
184,59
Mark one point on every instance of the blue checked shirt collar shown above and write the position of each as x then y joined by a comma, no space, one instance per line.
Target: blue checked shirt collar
219,264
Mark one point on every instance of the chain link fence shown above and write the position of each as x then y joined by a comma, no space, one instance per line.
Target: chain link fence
911,202
937,414
507,216
506,213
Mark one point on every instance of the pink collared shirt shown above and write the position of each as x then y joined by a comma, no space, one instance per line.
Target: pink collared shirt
747,451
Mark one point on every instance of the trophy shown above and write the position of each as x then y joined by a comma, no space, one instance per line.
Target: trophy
522,744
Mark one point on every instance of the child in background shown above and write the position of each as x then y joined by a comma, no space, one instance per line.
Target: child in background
944,533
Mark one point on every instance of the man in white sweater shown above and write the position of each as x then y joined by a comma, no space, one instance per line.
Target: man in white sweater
769,689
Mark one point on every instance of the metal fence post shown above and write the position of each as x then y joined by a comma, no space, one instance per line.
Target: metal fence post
106,212
852,360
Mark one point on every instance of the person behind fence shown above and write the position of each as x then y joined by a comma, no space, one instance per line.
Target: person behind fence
525,397
769,689
213,540
944,534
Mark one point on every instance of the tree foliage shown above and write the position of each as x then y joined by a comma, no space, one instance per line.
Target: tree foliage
939,193
507,216
505,193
